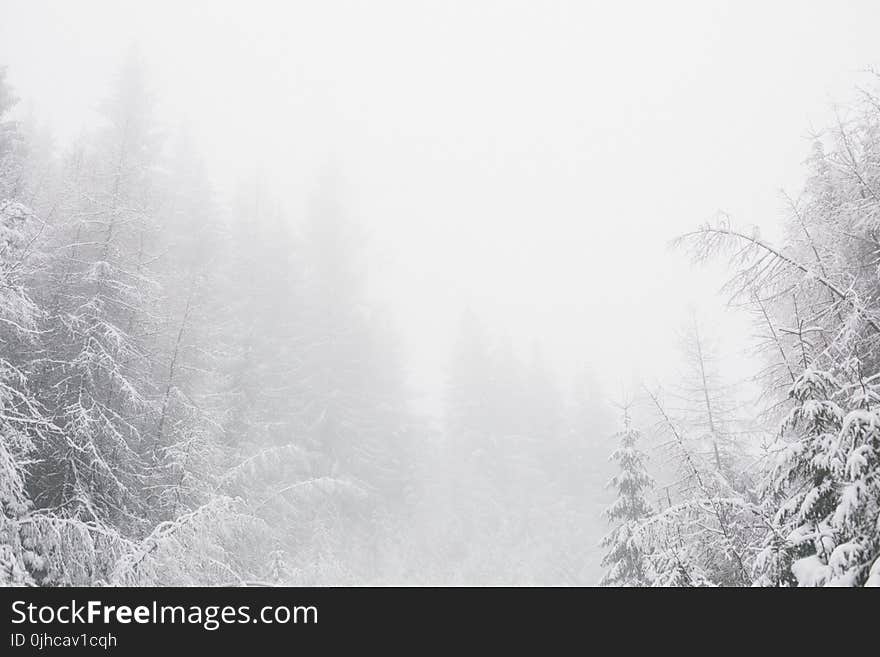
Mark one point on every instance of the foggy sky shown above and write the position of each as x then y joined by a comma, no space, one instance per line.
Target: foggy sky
528,159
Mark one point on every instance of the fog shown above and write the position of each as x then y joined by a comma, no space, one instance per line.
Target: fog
523,164
531,161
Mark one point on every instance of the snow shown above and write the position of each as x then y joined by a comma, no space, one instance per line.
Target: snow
810,571
874,574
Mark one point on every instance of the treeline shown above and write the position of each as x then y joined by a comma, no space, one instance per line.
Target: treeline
801,508
194,390
525,467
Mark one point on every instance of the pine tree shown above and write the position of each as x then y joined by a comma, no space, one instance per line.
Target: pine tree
24,426
625,558
856,518
824,489
22,423
93,365
803,483
815,296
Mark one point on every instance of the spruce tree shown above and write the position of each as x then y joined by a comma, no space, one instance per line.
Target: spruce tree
624,557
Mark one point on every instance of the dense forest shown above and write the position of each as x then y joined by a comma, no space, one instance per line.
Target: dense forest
196,389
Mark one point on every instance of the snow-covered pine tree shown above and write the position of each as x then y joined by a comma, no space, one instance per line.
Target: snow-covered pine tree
815,295
824,488
855,560
21,421
803,487
93,367
624,557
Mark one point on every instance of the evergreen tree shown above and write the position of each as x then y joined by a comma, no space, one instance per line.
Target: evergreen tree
856,518
819,310
625,558
824,493
93,364
803,481
22,423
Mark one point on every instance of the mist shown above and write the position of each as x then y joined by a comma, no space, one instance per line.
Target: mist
389,281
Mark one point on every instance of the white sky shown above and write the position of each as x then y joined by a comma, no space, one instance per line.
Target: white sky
531,159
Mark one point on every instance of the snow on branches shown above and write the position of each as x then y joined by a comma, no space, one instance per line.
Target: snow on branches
624,557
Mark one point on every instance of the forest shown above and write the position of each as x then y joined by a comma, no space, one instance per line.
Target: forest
195,389
790,495
199,393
